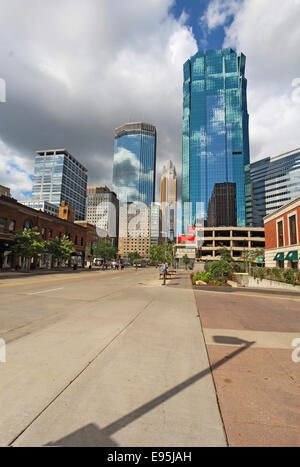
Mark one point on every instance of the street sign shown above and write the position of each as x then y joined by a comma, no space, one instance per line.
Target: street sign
260,259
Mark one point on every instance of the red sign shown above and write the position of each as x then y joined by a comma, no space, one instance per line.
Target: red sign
186,238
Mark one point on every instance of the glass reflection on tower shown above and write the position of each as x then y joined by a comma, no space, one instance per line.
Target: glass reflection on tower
215,129
135,163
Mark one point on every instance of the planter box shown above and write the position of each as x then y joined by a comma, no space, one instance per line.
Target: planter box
249,281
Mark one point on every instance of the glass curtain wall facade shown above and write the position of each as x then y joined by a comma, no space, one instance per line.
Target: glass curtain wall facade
274,182
134,168
58,177
215,129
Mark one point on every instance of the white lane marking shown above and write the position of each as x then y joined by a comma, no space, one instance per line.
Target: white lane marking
45,291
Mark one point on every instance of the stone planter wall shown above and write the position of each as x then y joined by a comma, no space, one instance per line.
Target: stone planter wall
249,281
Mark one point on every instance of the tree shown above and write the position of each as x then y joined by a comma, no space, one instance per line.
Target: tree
161,253
29,245
225,255
251,256
105,251
134,256
221,270
156,254
61,249
186,261
168,252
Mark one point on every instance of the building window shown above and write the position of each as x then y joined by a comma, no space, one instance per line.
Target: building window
293,230
81,241
2,224
28,224
293,265
280,233
76,240
12,226
280,264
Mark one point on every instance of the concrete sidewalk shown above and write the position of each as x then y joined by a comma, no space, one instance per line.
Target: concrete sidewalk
128,369
258,386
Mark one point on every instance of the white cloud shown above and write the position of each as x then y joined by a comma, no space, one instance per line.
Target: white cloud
218,12
75,70
269,35
15,172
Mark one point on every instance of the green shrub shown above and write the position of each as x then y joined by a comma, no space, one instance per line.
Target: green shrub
268,273
289,276
276,274
219,283
237,267
221,270
261,273
202,276
208,265
258,273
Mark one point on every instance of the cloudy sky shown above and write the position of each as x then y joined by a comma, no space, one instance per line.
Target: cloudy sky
76,69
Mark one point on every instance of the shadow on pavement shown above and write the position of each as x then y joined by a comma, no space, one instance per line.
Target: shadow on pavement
88,436
92,436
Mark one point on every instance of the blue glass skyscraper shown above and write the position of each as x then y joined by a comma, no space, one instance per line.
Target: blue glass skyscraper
58,177
134,168
274,182
215,129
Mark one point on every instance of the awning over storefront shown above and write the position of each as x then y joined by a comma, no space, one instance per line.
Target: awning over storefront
292,256
279,257
78,253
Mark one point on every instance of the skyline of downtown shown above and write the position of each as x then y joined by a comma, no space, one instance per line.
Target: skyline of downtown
222,24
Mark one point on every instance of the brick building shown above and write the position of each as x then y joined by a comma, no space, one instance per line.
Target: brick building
282,230
15,216
4,191
92,238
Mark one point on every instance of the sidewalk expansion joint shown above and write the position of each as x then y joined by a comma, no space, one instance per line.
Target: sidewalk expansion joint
125,328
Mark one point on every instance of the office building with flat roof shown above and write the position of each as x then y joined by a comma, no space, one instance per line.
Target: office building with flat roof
275,181
221,210
103,211
43,206
58,177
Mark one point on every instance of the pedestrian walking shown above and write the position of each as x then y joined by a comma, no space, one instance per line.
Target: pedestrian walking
164,272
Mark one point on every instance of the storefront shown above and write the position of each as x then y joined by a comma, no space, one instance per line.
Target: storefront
6,255
282,229
16,217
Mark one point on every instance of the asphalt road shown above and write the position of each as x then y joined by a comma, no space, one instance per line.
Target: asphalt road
104,359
